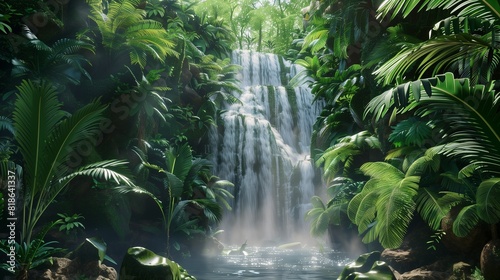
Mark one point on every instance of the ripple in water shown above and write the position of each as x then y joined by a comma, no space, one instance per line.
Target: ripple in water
269,263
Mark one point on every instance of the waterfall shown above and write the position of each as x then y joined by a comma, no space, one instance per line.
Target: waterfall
262,146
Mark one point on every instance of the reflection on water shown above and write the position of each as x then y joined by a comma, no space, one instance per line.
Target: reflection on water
269,263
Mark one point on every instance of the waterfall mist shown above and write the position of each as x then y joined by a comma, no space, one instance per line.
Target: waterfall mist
262,146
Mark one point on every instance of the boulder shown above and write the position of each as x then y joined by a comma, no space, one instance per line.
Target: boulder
461,270
423,274
490,260
472,243
400,260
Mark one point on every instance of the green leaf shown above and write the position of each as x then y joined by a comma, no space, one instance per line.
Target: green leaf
488,204
466,220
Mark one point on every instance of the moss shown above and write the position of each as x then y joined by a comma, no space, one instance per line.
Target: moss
284,71
271,92
292,98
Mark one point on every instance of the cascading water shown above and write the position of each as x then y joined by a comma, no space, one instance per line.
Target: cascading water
262,146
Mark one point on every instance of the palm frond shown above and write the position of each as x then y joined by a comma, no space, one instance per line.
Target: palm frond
108,170
180,161
211,209
82,125
36,115
125,27
429,162
411,132
389,196
362,210
486,9
123,189
471,124
440,54
340,156
456,25
395,210
466,220
174,184
433,208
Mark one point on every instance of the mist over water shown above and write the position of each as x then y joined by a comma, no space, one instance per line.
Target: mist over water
270,263
263,148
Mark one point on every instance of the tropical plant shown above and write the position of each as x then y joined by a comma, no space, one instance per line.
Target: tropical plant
465,43
388,196
190,172
32,254
46,137
469,133
142,263
339,159
188,193
125,30
69,223
341,190
212,37
438,159
259,20
60,63
150,108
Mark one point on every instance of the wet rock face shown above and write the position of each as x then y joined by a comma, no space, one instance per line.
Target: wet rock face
66,269
490,260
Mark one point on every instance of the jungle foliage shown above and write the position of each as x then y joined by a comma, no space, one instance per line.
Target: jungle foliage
412,113
111,102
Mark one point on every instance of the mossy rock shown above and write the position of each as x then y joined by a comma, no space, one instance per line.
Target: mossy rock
141,263
490,260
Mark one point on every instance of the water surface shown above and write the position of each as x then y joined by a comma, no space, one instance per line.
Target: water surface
269,263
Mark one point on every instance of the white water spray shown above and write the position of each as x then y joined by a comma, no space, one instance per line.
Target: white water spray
263,147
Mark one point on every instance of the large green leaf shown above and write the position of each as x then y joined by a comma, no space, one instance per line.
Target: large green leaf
395,210
362,208
488,204
179,161
433,208
466,220
386,199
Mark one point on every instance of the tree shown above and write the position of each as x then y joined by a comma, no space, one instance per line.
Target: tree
257,23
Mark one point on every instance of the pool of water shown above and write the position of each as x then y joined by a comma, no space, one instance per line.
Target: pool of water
269,263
